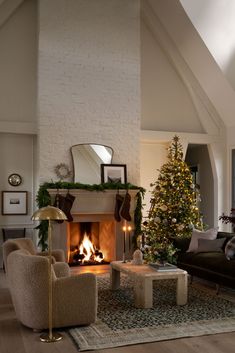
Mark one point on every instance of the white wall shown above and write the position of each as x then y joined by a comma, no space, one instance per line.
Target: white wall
16,155
18,65
197,57
166,103
199,156
152,157
18,159
89,80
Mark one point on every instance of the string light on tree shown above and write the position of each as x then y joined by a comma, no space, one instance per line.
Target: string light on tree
173,212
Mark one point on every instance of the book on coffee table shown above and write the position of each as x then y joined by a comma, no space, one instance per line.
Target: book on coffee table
163,267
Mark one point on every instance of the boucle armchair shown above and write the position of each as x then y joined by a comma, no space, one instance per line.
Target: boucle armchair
27,244
74,297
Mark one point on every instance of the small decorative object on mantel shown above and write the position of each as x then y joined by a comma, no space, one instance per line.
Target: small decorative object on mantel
62,171
137,257
113,173
14,179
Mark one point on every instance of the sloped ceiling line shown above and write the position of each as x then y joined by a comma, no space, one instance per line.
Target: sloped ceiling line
207,113
7,8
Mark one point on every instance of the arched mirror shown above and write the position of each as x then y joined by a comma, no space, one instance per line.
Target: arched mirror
87,159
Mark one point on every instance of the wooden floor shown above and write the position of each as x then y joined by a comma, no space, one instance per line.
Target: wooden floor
15,338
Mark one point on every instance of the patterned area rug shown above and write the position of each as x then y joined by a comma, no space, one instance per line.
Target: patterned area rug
120,323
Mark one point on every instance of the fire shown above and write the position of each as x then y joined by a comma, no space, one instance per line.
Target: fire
90,253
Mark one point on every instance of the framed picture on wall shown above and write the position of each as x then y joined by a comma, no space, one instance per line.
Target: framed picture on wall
113,173
14,203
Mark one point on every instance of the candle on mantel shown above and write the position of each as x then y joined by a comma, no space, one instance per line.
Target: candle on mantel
124,228
129,233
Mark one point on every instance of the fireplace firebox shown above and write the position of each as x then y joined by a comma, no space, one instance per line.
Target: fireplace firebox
88,245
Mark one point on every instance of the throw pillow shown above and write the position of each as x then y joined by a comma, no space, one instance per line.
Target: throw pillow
207,245
197,234
230,249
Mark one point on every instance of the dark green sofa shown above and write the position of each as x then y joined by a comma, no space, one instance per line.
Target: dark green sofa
212,266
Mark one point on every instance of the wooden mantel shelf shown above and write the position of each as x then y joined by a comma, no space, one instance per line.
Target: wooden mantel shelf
95,202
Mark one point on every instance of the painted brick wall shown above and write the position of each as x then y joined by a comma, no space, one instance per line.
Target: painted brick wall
88,81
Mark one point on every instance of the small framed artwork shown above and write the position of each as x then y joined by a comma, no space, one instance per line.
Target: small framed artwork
113,173
14,203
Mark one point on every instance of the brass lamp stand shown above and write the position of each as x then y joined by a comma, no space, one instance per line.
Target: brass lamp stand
49,213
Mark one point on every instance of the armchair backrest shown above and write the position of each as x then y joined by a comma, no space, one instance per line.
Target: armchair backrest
17,244
28,283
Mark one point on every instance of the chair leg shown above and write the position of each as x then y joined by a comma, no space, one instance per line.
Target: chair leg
217,289
191,279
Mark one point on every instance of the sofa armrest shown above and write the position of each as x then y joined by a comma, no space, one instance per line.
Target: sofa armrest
182,244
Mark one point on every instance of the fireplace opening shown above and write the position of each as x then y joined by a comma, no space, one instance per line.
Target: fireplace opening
86,244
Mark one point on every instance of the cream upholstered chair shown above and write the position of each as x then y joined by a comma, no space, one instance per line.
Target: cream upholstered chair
27,244
74,297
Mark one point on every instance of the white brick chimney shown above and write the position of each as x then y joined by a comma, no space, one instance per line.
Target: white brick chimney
88,81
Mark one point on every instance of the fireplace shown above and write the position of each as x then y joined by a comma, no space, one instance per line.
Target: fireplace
91,243
94,212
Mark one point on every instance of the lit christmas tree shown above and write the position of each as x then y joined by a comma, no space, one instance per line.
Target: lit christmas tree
173,212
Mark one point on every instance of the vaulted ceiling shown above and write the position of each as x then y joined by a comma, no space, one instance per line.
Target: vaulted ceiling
215,22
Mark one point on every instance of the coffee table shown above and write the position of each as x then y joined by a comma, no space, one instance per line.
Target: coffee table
143,277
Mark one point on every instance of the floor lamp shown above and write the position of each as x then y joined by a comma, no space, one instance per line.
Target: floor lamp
49,213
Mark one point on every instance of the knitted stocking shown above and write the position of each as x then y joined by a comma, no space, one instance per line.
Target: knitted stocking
125,209
65,204
118,205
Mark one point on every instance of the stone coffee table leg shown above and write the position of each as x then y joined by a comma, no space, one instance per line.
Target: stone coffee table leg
182,289
143,292
115,279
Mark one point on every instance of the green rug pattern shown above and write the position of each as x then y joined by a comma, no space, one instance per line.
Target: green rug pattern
120,323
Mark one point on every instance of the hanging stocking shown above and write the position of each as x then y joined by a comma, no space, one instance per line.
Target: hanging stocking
65,204
125,209
118,205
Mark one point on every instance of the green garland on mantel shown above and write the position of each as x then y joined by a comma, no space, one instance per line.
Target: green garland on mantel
43,199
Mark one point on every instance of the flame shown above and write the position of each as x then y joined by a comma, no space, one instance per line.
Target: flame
87,248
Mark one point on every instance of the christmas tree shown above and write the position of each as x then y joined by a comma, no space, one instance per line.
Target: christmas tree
173,212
